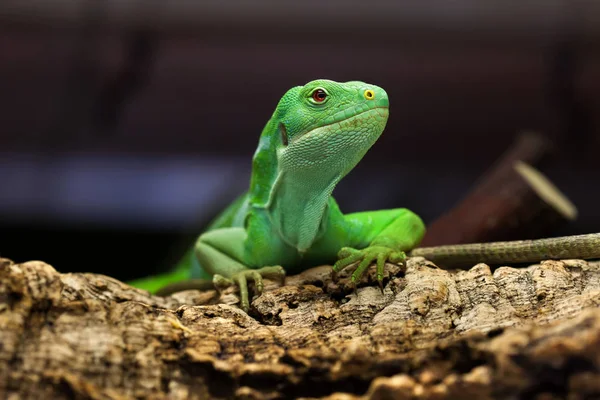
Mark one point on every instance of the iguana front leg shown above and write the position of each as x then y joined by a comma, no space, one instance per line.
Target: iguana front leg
221,253
381,236
370,236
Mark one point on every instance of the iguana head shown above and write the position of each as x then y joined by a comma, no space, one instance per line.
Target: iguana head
319,108
319,131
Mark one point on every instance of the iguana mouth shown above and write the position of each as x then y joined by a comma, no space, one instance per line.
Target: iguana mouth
340,117
350,112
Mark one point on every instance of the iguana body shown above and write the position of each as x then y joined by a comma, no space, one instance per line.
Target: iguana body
288,220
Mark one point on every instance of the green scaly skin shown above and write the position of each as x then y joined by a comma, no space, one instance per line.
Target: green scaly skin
518,251
288,220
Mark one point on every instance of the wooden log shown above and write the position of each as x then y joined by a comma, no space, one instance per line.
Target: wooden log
433,334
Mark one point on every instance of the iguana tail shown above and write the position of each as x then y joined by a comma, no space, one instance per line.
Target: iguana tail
188,274
585,247
181,272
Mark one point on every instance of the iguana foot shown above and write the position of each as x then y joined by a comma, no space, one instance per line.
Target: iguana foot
241,280
365,257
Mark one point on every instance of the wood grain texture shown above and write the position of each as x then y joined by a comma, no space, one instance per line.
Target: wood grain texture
432,334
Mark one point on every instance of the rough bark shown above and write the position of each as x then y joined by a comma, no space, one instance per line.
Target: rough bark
432,334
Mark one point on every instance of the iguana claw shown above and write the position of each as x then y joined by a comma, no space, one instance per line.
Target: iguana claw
365,257
241,280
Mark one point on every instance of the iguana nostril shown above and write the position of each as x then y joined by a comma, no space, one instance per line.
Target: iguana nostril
369,94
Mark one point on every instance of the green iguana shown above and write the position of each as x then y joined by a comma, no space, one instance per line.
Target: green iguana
288,220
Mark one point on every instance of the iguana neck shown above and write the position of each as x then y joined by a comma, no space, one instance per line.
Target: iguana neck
299,204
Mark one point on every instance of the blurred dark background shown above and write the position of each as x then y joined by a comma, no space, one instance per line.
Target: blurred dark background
125,125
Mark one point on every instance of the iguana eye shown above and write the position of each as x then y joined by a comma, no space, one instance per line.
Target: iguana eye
319,95
369,94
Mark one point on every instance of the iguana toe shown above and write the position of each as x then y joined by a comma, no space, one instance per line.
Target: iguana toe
240,279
